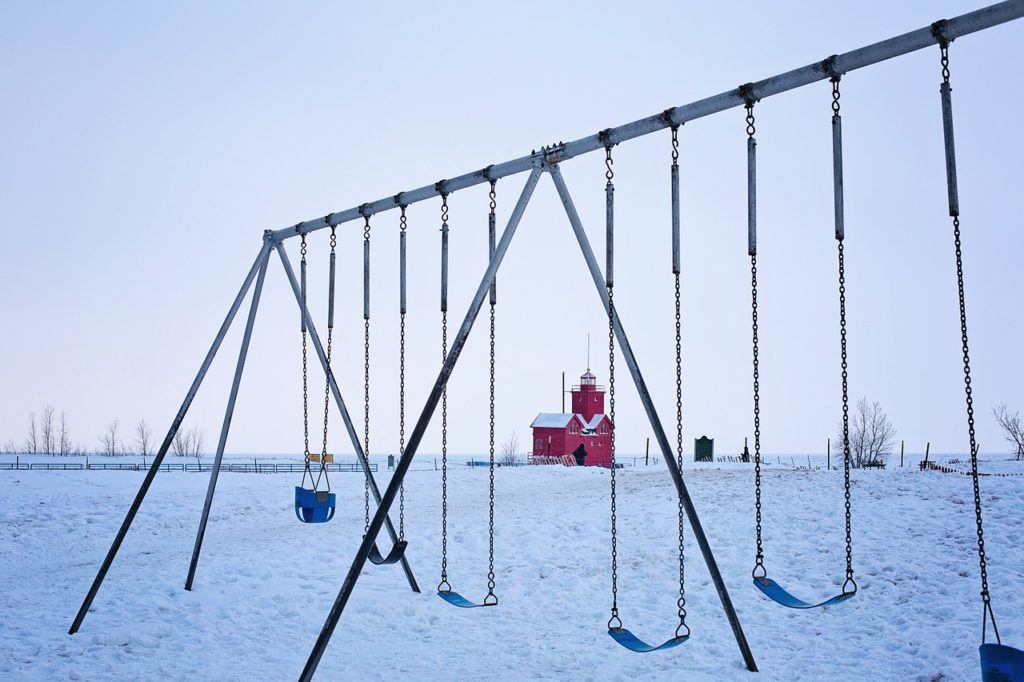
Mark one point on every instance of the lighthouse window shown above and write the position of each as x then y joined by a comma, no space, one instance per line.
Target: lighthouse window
574,429
603,429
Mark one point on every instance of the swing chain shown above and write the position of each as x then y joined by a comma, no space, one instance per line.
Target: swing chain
849,585
944,60
614,622
609,174
305,377
366,395
681,603
835,95
327,382
759,569
491,599
401,402
444,585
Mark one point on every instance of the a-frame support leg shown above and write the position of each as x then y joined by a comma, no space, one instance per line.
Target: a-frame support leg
226,426
162,452
352,434
417,433
652,415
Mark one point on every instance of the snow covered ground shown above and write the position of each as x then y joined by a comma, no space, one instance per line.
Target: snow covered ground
266,582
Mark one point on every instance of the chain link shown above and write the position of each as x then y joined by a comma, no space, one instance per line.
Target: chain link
750,119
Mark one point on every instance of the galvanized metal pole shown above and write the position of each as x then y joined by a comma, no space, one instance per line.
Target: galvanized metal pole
652,415
340,402
956,27
162,452
417,434
226,426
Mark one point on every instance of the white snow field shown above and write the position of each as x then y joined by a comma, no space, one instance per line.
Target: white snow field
266,582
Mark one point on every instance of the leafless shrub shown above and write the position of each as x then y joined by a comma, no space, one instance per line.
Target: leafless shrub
143,438
1013,429
872,435
510,455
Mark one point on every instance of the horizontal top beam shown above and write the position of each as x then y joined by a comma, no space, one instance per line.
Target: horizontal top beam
945,30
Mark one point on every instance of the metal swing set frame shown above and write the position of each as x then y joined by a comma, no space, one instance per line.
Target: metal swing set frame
547,160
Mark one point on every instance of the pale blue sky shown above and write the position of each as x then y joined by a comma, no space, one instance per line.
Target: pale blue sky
146,147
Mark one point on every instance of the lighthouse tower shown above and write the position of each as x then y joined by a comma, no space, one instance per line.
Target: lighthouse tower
584,433
588,397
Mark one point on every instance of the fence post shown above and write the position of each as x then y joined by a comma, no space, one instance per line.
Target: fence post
901,454
828,456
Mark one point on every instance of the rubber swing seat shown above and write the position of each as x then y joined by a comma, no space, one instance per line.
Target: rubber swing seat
456,599
313,506
1001,663
393,557
776,593
634,643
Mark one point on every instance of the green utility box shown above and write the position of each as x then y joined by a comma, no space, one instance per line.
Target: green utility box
703,449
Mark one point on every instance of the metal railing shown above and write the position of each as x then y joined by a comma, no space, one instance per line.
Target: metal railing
254,468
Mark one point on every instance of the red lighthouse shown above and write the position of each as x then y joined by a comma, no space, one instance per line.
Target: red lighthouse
586,432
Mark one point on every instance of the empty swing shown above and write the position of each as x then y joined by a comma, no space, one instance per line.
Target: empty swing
444,588
313,505
999,662
760,574
615,627
398,549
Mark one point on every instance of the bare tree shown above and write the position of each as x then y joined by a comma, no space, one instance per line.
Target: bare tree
9,448
197,441
510,455
1013,429
188,443
47,430
872,435
143,438
64,435
32,441
111,443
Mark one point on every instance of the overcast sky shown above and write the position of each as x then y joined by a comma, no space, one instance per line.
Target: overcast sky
146,147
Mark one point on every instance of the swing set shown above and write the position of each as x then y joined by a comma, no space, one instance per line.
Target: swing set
315,503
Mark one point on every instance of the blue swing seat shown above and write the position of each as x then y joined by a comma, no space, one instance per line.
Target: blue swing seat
634,643
456,599
1000,663
312,506
776,593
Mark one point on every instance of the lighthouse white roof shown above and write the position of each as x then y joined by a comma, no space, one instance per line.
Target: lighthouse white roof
594,421
551,420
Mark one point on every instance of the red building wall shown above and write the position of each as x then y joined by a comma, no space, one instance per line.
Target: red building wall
587,402
564,442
